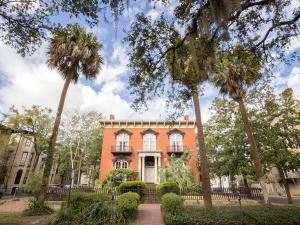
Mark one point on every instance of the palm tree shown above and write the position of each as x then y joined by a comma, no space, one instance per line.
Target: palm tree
72,51
233,73
188,65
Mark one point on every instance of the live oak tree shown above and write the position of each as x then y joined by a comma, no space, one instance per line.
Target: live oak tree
72,51
228,150
277,133
25,24
36,122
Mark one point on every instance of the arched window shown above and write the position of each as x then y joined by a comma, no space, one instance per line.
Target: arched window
149,140
18,176
176,142
122,144
121,164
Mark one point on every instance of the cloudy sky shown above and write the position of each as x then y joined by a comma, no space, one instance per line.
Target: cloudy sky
28,81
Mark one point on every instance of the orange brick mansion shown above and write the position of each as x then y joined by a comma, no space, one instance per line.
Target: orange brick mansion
145,145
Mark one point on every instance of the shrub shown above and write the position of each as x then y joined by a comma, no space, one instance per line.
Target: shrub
172,203
99,213
117,176
34,183
35,209
84,207
167,187
132,186
126,205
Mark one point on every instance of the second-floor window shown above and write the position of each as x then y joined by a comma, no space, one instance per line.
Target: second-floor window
122,144
149,141
176,142
24,157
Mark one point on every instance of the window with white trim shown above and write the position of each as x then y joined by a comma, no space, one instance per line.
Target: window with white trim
176,142
149,140
24,157
122,144
121,164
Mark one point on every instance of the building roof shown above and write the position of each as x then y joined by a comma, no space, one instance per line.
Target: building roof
148,123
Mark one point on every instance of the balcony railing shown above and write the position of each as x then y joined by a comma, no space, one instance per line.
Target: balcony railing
175,149
121,150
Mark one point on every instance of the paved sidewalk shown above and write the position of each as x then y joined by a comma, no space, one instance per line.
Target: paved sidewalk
149,214
10,206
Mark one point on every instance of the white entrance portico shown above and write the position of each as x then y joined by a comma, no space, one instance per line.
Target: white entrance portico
149,164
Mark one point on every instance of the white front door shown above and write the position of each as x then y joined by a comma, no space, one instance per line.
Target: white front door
149,174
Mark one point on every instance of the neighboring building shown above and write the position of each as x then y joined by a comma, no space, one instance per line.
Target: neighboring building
22,160
145,145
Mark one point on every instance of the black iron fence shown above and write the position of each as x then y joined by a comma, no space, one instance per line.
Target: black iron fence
150,195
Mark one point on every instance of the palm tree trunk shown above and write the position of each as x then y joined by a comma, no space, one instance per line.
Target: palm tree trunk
204,170
253,150
285,185
49,159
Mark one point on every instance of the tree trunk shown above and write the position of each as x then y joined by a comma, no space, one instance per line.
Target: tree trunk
49,158
79,173
37,156
245,181
285,185
35,163
253,150
204,170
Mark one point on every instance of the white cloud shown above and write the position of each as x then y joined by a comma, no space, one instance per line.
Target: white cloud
31,82
294,81
114,71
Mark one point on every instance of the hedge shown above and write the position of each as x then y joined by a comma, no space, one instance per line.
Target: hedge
126,205
167,187
254,215
172,203
132,186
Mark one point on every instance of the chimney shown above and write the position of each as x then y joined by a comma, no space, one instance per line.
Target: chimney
111,117
186,117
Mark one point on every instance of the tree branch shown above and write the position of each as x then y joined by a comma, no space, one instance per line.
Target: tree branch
282,23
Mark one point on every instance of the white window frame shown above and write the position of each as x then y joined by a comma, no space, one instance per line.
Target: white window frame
176,142
122,142
149,142
121,164
24,157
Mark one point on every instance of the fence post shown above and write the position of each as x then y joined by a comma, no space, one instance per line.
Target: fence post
139,190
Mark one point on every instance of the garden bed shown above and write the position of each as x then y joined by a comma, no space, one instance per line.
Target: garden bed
176,213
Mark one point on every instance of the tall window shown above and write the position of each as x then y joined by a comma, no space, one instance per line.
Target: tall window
24,157
176,142
122,142
121,164
149,140
18,177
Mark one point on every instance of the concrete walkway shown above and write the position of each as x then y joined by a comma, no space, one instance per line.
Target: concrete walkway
149,214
